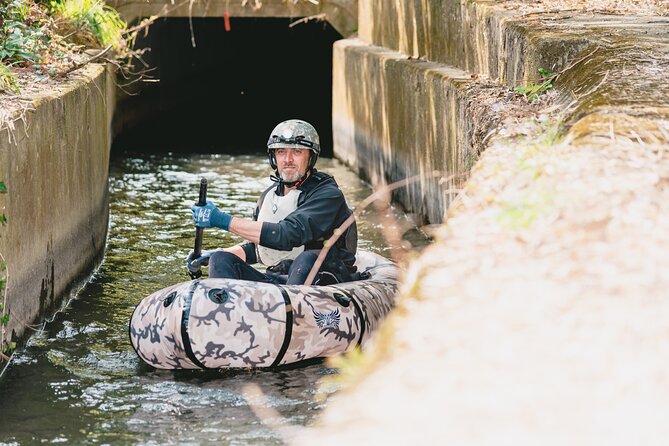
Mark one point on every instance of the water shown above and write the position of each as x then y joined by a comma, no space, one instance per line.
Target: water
78,381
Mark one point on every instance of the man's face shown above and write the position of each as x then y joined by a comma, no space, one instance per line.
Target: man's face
291,163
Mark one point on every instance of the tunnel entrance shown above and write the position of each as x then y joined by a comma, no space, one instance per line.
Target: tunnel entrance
226,93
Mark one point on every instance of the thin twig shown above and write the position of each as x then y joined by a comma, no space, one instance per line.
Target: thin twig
577,61
268,416
555,76
358,210
190,22
78,65
320,17
142,25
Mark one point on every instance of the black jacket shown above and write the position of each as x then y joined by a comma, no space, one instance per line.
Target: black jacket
321,208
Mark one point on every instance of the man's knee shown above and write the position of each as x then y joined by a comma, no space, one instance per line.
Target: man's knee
306,258
224,264
223,257
301,267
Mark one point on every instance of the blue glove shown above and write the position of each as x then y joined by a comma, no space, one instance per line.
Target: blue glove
210,216
194,264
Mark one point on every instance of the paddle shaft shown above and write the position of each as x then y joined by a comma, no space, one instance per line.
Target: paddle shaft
199,232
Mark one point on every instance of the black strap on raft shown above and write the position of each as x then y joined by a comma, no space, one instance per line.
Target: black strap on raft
289,328
345,302
185,316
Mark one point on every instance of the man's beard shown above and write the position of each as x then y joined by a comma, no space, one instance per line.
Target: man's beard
291,177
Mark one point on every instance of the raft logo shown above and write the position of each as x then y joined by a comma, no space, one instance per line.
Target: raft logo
327,320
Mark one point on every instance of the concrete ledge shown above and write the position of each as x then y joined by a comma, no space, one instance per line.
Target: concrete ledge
395,117
341,14
374,86
539,315
132,9
55,163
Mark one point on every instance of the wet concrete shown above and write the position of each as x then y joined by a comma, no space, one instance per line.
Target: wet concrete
55,162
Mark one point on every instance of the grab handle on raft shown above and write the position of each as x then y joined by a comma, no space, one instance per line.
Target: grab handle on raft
199,232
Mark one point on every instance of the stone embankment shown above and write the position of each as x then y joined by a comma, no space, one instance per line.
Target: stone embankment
539,315
54,159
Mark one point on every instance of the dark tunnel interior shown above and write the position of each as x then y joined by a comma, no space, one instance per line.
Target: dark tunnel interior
226,93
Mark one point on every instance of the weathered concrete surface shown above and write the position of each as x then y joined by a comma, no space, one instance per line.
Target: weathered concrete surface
385,96
55,163
395,117
539,316
341,14
130,9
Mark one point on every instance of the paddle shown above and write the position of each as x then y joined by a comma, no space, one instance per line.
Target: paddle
199,232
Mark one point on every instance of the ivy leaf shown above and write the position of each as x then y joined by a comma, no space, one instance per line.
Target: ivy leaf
545,73
3,187
4,320
3,219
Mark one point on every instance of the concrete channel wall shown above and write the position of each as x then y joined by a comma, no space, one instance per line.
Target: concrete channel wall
539,314
404,91
55,163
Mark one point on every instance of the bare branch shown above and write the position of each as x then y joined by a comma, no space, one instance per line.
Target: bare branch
380,193
268,416
78,65
320,17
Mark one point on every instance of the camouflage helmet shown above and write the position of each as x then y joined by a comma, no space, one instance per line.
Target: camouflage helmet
294,134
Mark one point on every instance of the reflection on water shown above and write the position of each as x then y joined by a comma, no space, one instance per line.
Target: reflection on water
79,382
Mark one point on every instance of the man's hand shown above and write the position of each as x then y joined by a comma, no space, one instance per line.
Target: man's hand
209,216
195,264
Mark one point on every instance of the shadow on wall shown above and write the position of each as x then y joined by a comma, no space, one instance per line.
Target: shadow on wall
228,91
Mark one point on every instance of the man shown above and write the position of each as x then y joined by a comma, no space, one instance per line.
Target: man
292,220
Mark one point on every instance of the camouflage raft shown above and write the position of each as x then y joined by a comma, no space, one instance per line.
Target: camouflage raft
224,323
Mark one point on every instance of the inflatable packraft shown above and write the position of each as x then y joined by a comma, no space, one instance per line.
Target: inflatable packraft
225,323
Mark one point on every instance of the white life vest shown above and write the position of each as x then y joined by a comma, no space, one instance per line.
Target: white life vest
273,209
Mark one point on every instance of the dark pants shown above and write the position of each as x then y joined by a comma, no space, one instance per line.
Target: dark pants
228,266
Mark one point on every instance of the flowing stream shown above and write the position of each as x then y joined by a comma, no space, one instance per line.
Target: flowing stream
78,380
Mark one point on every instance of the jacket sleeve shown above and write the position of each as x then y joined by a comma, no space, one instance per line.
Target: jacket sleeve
323,211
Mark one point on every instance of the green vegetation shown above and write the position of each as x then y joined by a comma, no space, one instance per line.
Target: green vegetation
95,18
7,80
48,37
525,211
23,34
534,91
535,156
